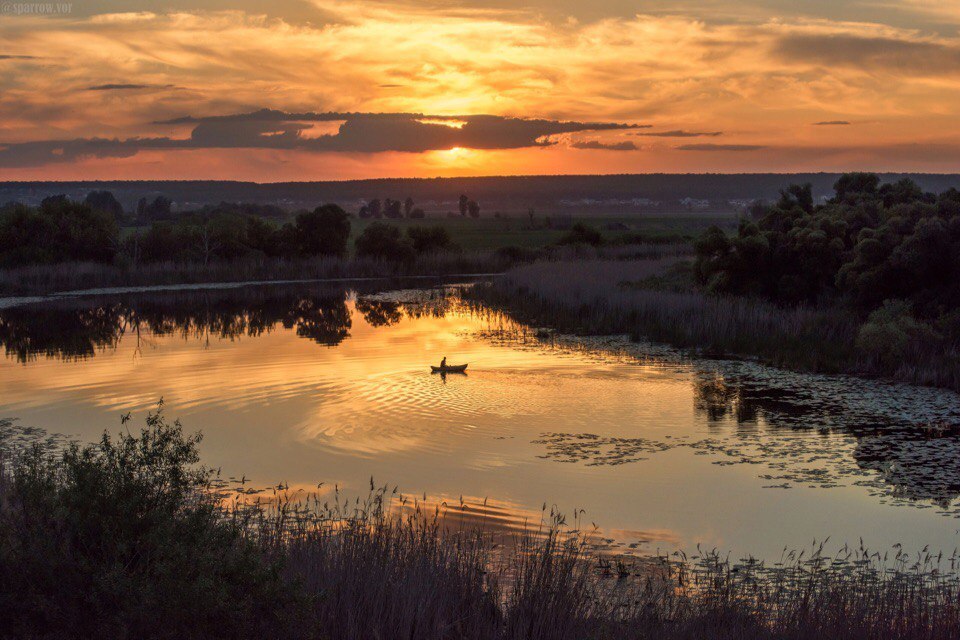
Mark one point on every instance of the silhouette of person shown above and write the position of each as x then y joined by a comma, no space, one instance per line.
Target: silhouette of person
443,362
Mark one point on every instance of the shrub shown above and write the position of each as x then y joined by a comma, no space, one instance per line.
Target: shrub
891,332
58,231
518,254
323,231
429,239
382,241
582,234
123,539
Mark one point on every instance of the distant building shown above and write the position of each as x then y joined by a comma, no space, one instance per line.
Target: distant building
695,203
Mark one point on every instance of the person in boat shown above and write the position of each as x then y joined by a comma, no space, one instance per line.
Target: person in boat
443,363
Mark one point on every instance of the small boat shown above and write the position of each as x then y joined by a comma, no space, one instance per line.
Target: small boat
459,368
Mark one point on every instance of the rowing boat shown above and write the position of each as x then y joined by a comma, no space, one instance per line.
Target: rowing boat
460,368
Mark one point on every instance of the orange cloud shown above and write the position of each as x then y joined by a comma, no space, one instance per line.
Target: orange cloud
761,82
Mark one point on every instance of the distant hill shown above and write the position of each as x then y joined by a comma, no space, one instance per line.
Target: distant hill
582,194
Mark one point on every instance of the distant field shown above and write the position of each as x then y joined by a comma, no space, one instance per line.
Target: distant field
516,230
488,232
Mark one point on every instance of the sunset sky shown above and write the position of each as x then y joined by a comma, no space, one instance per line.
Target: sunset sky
312,90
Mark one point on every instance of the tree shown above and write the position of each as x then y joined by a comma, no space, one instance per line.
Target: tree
59,231
796,195
104,201
206,241
374,208
408,207
163,242
868,244
391,209
51,202
901,192
417,213
853,188
284,242
473,208
323,231
383,242
159,209
464,200
582,234
429,239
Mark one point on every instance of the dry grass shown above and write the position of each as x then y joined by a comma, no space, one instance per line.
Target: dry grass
40,279
613,296
376,572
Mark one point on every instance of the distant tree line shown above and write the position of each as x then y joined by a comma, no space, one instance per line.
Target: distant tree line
395,209
62,230
223,235
391,209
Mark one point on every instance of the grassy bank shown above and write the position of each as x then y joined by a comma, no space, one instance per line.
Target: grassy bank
41,279
518,230
130,538
652,299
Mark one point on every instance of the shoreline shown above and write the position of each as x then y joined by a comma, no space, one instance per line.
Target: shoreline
9,302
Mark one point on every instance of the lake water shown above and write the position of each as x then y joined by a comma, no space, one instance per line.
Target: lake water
314,383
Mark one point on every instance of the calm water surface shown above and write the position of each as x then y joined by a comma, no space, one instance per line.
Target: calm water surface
302,385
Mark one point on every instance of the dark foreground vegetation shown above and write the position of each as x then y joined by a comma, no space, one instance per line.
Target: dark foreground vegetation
863,283
130,538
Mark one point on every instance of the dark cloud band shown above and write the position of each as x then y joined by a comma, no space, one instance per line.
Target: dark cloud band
357,132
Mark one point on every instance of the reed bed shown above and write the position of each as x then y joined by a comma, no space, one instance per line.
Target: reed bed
71,276
654,299
40,279
130,538
623,296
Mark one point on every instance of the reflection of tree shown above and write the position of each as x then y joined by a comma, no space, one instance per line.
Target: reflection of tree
716,398
435,305
28,332
378,312
923,464
77,328
325,321
920,463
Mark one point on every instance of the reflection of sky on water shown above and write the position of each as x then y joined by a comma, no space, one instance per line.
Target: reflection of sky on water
303,386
